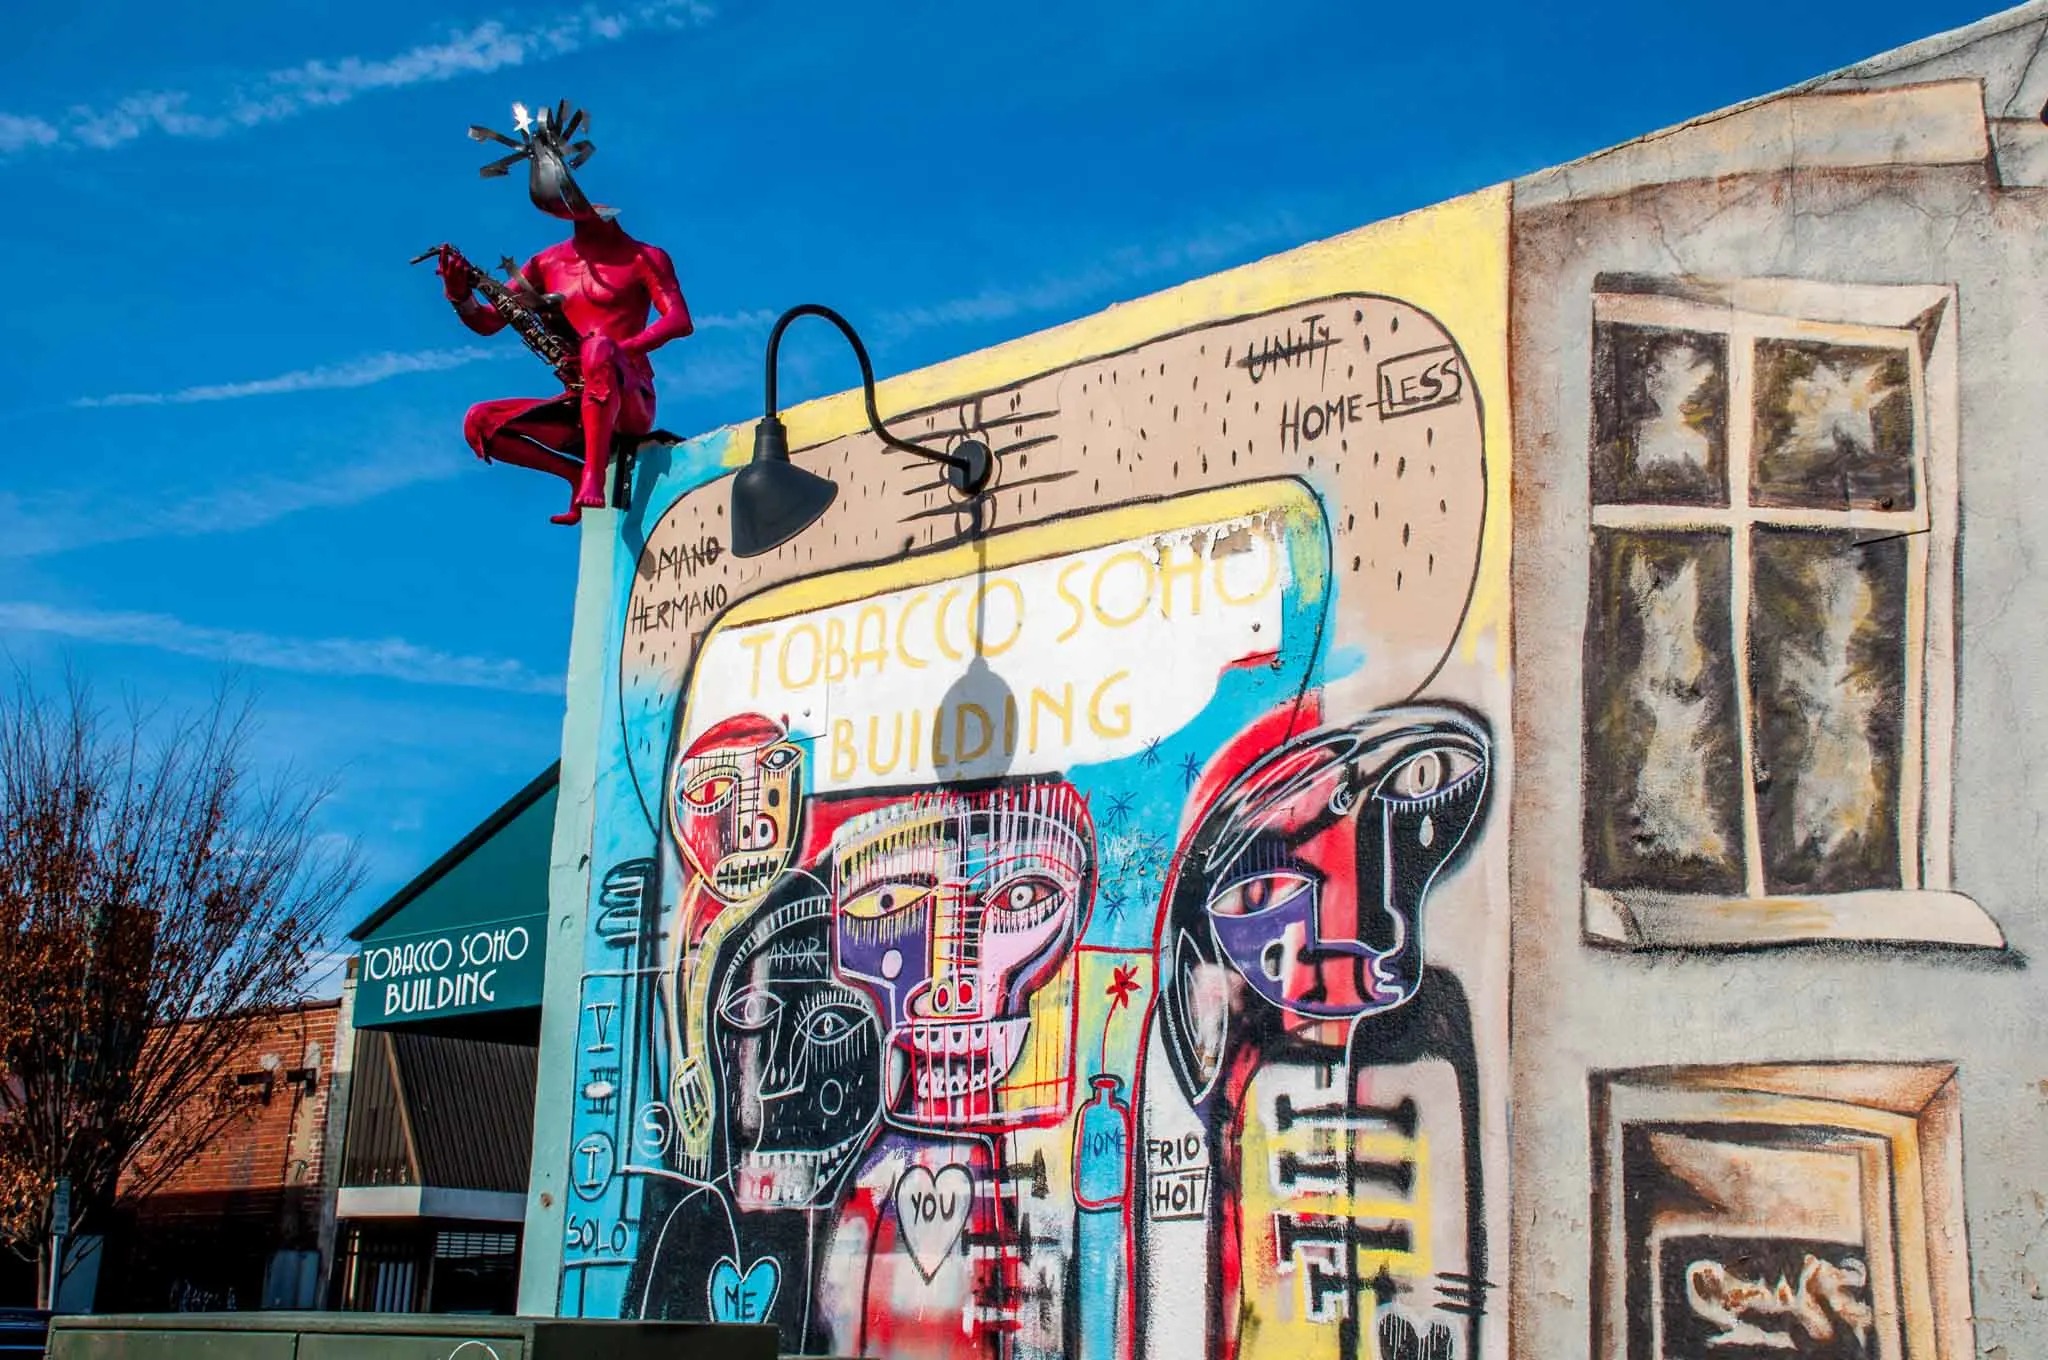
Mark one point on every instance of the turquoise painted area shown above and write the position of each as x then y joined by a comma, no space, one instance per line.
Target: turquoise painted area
473,969
615,1078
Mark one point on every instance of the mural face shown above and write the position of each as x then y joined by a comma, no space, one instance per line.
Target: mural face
952,910
1047,950
1292,966
1313,868
733,805
797,1054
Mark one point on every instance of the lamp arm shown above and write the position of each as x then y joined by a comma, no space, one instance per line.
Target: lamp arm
867,382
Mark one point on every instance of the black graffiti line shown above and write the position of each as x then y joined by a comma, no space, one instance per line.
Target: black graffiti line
1022,444
1271,351
1346,1170
1889,538
966,507
1401,1115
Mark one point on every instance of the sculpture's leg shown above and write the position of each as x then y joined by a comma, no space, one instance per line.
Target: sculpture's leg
525,433
613,399
600,364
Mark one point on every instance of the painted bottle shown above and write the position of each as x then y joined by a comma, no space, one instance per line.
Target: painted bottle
1102,1142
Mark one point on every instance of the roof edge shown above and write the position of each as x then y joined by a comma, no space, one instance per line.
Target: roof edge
1895,59
461,850
1923,50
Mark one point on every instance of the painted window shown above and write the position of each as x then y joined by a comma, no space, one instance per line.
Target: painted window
1794,1210
1769,682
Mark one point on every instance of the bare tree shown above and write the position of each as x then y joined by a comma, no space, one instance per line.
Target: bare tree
157,900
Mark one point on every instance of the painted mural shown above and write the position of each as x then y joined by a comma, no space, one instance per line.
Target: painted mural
1068,923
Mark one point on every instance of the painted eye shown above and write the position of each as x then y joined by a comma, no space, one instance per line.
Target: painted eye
780,756
1429,772
1031,893
709,790
886,899
832,1022
750,1008
1259,893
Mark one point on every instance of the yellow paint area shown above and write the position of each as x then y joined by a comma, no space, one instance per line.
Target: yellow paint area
1287,500
881,626
1276,1279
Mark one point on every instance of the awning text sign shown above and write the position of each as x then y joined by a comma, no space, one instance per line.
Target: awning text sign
489,967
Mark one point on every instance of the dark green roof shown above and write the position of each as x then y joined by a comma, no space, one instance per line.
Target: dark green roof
498,870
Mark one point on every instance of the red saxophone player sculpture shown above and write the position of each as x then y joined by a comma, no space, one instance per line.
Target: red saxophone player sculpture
583,305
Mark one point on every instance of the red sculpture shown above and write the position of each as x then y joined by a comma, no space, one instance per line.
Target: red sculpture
583,306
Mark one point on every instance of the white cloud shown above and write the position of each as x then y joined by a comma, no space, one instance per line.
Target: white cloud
759,319
381,658
325,83
44,526
369,369
17,132
41,528
372,368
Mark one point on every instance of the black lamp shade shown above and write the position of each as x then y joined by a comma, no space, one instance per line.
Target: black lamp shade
774,500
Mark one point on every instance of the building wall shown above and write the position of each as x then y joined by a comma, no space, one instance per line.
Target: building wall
1718,876
1800,1040
281,1140
1076,922
238,1225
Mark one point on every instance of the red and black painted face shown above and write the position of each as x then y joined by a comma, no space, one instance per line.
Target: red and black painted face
1309,873
735,800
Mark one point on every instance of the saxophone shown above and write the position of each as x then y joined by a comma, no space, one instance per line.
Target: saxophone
536,317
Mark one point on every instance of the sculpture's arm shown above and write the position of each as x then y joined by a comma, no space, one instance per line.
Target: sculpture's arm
458,281
674,322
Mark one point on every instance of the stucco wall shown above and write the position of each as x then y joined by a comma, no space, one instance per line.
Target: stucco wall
1926,1023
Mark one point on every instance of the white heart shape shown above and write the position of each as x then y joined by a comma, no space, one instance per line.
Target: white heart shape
931,1214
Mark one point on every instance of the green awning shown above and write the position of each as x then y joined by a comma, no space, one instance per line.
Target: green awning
467,936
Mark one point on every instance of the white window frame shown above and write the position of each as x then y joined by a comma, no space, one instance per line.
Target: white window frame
1920,320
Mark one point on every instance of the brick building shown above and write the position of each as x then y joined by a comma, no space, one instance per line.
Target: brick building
242,1224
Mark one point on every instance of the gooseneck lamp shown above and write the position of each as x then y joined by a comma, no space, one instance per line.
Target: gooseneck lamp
774,500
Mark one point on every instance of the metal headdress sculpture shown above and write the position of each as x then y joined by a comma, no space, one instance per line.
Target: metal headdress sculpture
549,146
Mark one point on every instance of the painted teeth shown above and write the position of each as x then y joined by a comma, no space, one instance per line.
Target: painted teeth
767,1179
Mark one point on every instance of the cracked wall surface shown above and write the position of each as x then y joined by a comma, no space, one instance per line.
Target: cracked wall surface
1668,1037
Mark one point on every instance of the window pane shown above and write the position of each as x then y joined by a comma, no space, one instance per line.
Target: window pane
1663,805
1834,427
1660,415
1828,662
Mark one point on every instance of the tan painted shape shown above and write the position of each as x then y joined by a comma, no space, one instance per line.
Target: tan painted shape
1404,493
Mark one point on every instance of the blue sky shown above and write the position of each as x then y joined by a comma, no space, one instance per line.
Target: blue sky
230,416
